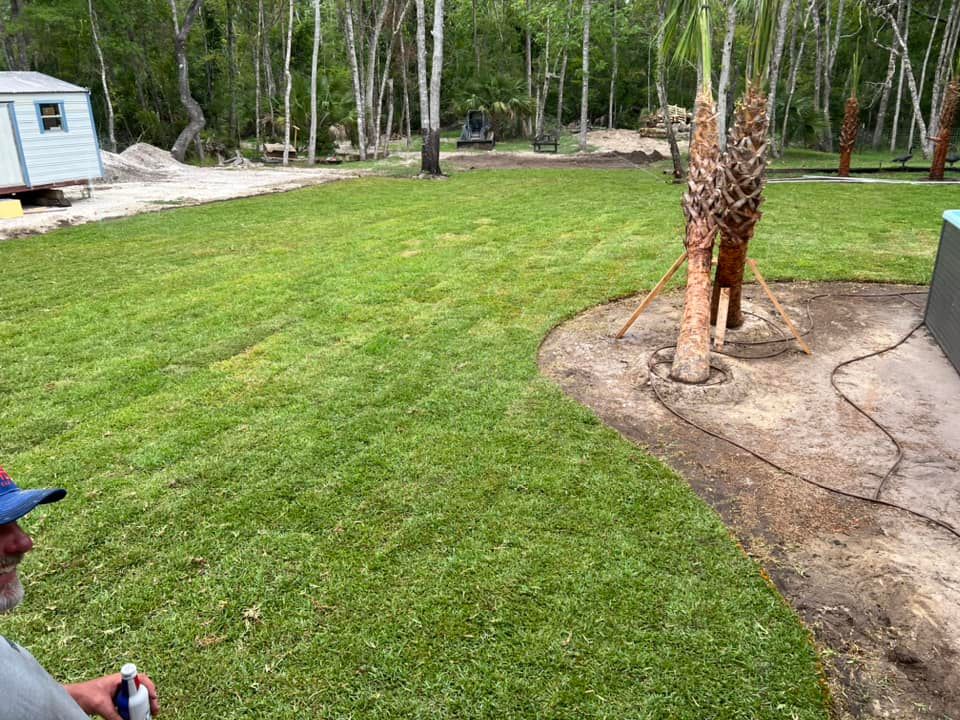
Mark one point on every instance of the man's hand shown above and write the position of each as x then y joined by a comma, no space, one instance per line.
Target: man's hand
95,697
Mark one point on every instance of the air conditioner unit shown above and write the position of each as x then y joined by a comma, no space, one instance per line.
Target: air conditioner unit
943,303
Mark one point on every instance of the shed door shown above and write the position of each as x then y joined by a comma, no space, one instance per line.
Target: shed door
11,172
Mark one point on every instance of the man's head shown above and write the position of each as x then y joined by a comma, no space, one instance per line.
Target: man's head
14,542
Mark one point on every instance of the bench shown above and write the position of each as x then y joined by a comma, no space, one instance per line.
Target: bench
545,141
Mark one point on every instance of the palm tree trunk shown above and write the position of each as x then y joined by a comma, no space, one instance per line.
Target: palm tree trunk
948,117
848,134
691,360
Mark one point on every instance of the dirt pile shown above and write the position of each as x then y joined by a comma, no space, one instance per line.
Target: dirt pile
140,163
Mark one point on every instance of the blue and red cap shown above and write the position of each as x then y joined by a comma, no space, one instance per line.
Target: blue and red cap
15,503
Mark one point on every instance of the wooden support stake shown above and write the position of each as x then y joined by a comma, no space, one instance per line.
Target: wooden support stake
783,313
653,294
722,310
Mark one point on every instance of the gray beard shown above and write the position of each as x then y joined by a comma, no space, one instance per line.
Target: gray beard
10,595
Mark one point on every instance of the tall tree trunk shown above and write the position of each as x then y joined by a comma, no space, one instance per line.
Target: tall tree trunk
194,112
818,63
389,131
257,50
615,65
355,76
476,39
406,92
288,76
21,41
832,48
543,91
268,70
396,29
233,119
662,92
585,88
943,73
312,147
923,71
724,84
561,81
430,95
905,28
436,71
369,83
887,85
911,81
948,117
775,62
528,46
111,134
795,60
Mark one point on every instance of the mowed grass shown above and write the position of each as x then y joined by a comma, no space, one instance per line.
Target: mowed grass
314,472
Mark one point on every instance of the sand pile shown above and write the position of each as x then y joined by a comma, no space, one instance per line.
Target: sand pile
141,163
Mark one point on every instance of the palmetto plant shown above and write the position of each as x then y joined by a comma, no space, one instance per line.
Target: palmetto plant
744,165
505,100
851,119
691,362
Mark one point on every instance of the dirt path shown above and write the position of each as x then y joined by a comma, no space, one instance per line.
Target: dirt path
879,587
145,179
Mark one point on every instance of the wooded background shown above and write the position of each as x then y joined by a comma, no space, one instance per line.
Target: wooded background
521,59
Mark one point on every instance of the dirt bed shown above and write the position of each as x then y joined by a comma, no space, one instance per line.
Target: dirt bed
144,178
879,587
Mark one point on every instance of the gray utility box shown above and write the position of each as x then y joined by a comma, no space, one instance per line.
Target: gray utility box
943,303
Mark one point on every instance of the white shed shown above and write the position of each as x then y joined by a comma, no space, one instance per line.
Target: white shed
48,137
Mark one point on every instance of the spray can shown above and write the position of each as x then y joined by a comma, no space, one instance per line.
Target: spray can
132,699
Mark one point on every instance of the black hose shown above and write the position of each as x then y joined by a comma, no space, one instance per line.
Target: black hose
875,499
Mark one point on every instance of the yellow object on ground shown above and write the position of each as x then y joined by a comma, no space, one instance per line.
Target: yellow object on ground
10,208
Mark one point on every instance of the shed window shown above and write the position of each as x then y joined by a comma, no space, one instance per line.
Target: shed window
51,116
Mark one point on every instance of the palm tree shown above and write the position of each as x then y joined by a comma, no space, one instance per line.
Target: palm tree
851,119
948,116
691,361
744,166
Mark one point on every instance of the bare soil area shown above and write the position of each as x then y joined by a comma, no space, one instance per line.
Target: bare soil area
879,586
613,149
144,178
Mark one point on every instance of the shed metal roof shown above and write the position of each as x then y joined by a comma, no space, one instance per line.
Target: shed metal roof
33,82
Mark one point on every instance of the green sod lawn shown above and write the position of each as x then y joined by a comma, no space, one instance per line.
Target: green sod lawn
314,472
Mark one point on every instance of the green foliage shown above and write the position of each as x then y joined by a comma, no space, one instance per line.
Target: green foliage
504,99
